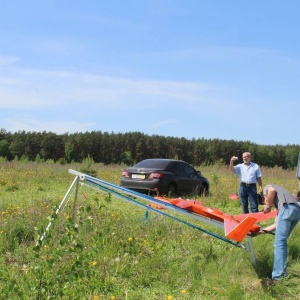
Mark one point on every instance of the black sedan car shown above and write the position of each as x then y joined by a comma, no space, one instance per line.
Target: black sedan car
165,177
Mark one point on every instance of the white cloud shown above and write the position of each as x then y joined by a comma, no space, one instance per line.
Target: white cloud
56,46
163,123
8,60
33,123
38,89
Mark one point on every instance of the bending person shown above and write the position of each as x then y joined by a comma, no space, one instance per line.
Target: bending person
287,218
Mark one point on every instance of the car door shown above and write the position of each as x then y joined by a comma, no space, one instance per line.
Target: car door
191,181
180,178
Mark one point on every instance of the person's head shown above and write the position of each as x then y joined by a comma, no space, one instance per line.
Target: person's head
246,157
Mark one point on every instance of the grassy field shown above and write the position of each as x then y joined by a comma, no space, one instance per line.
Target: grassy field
104,248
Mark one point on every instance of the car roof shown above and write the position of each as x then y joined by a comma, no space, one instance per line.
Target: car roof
156,162
161,159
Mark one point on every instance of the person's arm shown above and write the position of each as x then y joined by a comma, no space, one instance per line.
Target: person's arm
271,227
268,229
259,181
231,167
269,199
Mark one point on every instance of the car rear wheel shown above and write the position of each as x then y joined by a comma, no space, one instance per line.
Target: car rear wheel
203,190
172,190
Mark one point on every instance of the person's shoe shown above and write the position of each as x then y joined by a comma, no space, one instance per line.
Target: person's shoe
269,282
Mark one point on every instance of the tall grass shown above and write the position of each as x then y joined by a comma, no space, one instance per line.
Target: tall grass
110,249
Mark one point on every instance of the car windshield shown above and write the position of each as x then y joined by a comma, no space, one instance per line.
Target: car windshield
153,163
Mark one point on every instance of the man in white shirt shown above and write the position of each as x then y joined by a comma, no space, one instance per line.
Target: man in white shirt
250,174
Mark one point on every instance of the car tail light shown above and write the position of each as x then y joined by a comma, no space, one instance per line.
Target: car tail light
125,174
155,175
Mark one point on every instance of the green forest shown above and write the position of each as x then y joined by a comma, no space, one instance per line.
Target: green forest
132,147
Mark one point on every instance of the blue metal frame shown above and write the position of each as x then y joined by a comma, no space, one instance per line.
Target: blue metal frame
132,196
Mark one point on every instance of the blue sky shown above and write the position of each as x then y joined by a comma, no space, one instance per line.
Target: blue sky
193,69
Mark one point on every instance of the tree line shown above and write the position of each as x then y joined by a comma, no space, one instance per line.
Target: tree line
132,147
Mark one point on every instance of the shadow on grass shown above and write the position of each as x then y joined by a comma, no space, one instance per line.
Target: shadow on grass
288,287
264,267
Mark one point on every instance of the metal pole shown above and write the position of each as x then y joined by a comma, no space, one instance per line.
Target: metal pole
118,190
75,198
249,247
76,180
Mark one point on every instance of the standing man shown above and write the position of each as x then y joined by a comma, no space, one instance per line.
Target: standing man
288,217
249,174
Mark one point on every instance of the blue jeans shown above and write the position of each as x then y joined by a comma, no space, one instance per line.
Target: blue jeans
287,219
248,192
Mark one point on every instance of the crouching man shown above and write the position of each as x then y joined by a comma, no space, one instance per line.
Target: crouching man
287,218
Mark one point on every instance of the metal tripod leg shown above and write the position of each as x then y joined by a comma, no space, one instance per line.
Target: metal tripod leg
249,247
75,181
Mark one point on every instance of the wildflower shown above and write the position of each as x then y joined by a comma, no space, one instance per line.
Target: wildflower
93,263
183,291
130,239
117,259
96,297
170,297
24,268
